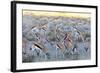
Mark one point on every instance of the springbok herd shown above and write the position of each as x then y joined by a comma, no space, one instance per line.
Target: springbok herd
55,38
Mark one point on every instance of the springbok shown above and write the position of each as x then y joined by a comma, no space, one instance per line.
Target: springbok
61,47
69,43
25,45
39,52
80,36
87,44
40,43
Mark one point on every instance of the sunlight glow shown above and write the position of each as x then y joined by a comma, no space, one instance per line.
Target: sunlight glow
51,13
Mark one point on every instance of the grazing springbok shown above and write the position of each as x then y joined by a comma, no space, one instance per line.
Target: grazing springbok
80,36
69,44
61,47
68,41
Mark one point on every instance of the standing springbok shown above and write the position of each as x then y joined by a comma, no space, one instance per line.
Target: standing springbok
77,35
39,52
40,43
